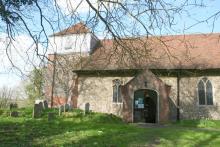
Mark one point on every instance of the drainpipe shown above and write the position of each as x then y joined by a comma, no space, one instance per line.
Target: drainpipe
53,80
178,97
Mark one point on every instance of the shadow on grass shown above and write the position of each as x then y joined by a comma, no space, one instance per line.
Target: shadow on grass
150,137
94,129
25,131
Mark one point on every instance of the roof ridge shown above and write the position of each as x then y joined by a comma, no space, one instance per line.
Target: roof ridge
170,35
78,28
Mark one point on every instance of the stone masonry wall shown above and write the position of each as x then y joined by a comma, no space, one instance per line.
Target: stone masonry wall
64,78
98,92
189,103
172,81
153,83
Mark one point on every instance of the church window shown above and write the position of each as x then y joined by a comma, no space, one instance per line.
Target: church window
205,92
117,91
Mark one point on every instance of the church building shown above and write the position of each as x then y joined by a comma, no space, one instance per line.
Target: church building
151,79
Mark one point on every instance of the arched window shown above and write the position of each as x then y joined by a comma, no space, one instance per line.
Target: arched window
117,91
205,92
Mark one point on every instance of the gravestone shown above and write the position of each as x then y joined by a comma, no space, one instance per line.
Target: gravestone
61,109
87,108
14,114
64,108
13,106
45,104
67,107
51,116
41,105
37,110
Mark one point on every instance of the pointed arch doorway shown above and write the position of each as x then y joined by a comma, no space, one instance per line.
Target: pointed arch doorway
145,106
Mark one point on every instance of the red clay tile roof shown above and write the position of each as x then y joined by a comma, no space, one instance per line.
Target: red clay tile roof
198,51
78,28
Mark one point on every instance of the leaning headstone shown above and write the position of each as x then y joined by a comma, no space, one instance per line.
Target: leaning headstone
14,114
45,104
51,116
87,107
37,110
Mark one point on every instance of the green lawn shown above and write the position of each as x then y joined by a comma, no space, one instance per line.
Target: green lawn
211,124
96,129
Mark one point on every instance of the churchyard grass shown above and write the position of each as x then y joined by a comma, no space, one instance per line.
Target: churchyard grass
203,123
95,129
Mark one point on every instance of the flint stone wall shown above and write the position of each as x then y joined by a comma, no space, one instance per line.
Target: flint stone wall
189,102
98,93
64,78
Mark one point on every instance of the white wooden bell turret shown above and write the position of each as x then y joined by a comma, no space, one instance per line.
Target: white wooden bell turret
75,39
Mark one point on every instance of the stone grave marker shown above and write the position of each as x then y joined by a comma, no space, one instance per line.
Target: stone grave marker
13,106
67,107
87,108
64,108
45,104
51,116
41,105
61,109
14,114
37,110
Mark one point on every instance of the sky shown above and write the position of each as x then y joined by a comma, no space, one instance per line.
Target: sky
23,51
